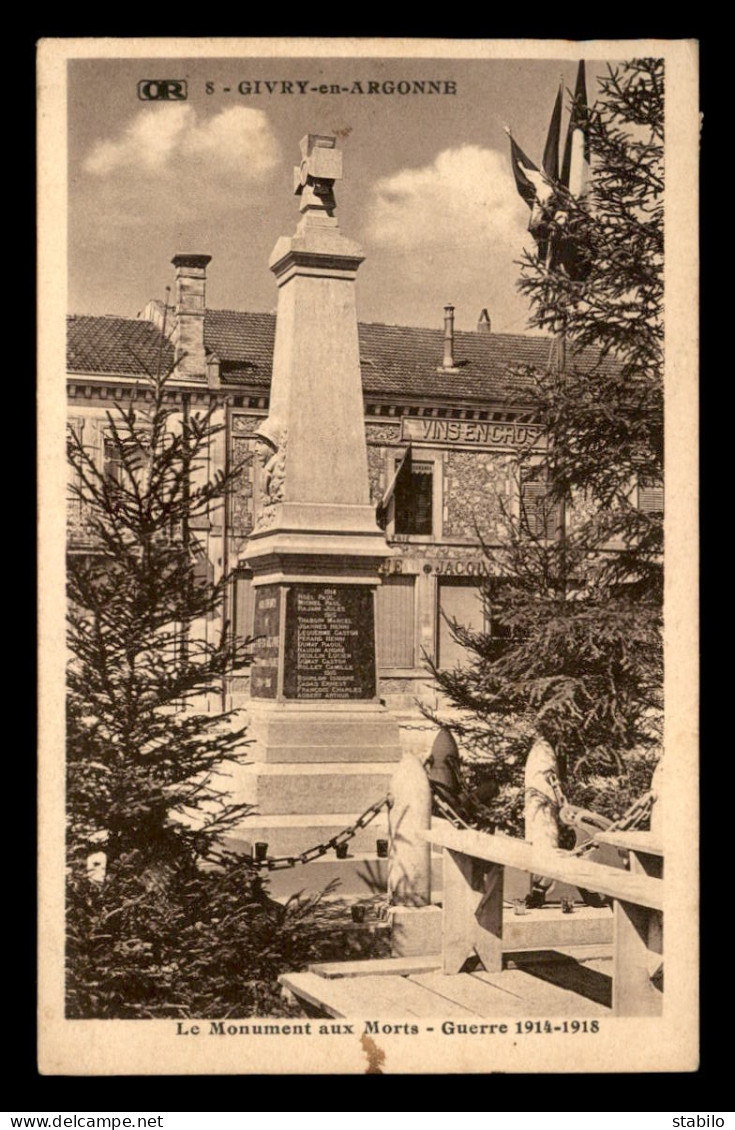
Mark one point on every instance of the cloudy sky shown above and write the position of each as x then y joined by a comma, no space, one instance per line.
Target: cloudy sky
427,190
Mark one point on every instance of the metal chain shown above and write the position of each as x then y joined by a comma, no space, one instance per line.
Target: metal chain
452,815
282,862
631,818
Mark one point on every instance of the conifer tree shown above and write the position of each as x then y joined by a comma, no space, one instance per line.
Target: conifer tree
142,759
575,645
162,918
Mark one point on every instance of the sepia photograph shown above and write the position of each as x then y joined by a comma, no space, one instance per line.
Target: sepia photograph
368,543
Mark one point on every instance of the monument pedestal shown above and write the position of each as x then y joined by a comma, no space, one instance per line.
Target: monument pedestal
324,747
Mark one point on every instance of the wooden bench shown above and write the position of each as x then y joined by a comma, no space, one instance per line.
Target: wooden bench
474,863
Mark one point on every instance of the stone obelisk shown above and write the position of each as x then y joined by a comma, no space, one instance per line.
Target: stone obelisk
324,744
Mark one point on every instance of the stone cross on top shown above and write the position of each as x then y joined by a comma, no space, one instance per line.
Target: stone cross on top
321,166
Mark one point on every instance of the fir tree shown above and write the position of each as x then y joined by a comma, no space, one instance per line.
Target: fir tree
576,641
142,758
162,919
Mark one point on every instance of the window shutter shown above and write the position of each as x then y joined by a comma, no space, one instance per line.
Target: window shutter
396,622
112,461
243,618
651,500
459,600
533,497
542,516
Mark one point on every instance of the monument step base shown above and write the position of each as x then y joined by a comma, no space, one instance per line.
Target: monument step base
299,753
290,835
301,788
337,733
360,875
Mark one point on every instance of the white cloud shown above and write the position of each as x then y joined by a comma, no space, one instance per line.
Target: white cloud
466,194
165,141
172,166
449,231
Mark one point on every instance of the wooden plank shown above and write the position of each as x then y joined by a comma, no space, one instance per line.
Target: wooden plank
497,848
378,967
488,1001
374,998
639,889
472,920
488,928
632,841
597,957
460,902
637,949
309,988
646,863
399,997
540,998
571,975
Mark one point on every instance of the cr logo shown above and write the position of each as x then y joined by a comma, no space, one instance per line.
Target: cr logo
162,89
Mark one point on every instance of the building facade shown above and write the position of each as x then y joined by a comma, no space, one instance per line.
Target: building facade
447,415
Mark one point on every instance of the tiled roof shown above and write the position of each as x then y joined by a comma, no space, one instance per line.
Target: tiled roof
128,346
243,342
396,361
402,360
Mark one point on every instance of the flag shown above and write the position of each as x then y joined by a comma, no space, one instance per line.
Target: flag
527,175
536,192
550,163
401,476
575,169
546,191
570,251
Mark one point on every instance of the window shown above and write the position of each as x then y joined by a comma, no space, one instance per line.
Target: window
497,629
414,498
74,479
460,600
396,622
540,515
242,612
83,430
113,464
651,499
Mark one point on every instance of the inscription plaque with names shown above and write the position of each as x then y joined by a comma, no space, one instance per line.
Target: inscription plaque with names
266,625
330,642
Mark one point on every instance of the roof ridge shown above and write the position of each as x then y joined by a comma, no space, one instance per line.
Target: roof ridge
229,310
494,335
117,317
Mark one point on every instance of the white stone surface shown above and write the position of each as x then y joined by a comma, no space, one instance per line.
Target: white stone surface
409,872
541,810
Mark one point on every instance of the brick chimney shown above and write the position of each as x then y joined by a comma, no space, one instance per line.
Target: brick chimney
189,305
483,322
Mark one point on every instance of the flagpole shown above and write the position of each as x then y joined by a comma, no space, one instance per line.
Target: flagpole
562,531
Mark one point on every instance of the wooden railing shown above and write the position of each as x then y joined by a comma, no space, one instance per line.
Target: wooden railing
474,864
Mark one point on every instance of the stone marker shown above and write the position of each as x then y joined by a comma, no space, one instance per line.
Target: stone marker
409,815
542,796
415,924
542,803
